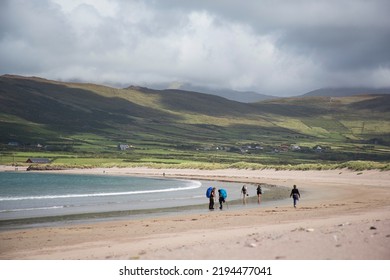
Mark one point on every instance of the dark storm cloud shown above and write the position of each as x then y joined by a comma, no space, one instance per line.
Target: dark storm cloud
342,33
273,47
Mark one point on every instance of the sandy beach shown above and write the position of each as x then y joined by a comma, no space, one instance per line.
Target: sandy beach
342,215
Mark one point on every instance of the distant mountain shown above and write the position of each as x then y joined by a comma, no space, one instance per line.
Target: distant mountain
346,91
35,109
240,96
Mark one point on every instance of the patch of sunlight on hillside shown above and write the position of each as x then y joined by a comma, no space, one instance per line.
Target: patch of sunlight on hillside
134,96
12,124
223,121
299,126
351,136
143,99
15,119
346,100
98,89
367,127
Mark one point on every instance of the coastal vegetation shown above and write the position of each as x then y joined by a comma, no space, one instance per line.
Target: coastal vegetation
86,125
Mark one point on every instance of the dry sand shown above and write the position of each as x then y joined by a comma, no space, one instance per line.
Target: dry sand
342,215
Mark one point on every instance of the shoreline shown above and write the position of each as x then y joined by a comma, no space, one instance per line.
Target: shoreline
271,196
342,215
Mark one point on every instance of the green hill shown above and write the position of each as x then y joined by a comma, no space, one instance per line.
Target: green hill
88,121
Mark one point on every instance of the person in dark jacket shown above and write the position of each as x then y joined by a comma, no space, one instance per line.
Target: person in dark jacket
295,195
259,193
221,199
244,192
212,196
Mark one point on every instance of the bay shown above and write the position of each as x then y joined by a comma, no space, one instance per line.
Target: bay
34,194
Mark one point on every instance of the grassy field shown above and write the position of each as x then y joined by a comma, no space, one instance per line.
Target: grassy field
192,160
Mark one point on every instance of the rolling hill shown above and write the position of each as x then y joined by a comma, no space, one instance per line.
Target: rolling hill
347,91
89,118
234,95
240,96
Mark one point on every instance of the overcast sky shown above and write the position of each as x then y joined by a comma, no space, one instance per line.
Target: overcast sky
269,46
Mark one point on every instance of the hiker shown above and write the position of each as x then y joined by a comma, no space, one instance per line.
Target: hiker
259,193
244,191
295,195
212,195
221,198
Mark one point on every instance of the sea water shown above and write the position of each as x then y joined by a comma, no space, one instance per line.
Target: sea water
33,194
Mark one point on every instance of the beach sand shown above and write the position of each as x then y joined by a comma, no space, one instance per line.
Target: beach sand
341,215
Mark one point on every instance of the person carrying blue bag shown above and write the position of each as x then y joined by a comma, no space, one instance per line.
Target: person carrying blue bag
210,194
222,197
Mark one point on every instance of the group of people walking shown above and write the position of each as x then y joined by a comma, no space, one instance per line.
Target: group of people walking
244,192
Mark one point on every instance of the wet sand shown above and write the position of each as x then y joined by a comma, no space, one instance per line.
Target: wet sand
342,215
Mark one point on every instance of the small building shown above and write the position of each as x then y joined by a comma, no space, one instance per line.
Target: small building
318,149
295,147
283,148
38,160
13,143
123,147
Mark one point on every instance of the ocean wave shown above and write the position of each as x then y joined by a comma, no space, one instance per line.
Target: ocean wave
31,209
194,185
